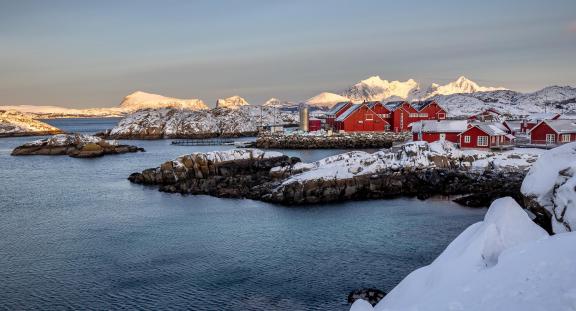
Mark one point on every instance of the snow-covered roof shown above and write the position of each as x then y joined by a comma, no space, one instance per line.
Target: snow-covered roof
444,126
514,125
419,105
491,129
336,108
393,105
537,117
348,112
372,104
561,126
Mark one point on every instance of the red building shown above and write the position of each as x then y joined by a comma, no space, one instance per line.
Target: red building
434,130
484,136
336,111
429,110
402,114
362,118
553,132
314,124
534,119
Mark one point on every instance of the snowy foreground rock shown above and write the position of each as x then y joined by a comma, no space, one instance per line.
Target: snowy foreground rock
13,123
550,188
74,145
505,262
176,123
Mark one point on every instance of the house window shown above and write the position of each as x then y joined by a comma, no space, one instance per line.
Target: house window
482,141
423,115
441,115
369,117
360,122
413,115
565,138
467,139
550,138
384,116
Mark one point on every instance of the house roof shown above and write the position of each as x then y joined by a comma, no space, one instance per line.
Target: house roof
514,125
393,105
537,117
491,129
372,104
419,105
443,126
560,126
348,112
337,107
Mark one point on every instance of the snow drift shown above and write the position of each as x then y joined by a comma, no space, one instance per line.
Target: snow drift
505,262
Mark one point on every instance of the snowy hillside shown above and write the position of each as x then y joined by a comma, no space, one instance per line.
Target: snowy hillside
326,100
55,112
232,102
177,123
13,123
142,100
505,262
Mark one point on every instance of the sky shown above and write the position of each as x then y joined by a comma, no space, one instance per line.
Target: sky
93,53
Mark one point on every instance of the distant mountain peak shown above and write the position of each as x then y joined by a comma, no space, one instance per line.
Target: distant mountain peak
232,102
143,100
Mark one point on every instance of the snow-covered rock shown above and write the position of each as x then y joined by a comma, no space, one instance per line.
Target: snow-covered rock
326,100
175,123
14,123
142,100
232,102
551,185
505,262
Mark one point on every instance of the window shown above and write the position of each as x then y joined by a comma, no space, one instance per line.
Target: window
369,117
413,115
565,138
384,115
441,115
467,139
482,141
550,138
423,115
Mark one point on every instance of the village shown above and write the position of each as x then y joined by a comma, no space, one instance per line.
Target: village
428,121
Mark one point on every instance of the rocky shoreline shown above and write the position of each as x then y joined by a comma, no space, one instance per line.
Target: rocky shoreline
73,145
25,134
274,177
334,141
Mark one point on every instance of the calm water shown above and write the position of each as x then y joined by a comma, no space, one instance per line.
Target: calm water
75,234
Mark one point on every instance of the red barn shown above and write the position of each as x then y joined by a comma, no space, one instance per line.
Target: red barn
553,132
336,111
484,136
434,130
534,119
429,110
361,118
402,115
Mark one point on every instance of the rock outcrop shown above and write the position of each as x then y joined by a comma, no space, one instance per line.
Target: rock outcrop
74,145
549,190
232,173
335,141
14,123
416,169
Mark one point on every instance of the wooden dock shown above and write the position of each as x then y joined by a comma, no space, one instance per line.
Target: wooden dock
203,142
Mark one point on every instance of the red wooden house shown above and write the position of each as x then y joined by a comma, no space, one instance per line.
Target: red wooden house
365,117
429,110
534,119
434,130
484,136
336,111
402,114
553,132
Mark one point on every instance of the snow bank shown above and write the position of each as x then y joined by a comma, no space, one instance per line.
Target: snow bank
67,140
505,262
551,183
230,155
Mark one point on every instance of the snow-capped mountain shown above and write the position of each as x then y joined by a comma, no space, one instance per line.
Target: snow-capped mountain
326,100
14,123
232,102
277,103
63,112
374,88
142,100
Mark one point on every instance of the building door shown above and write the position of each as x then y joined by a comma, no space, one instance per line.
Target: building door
550,139
442,136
